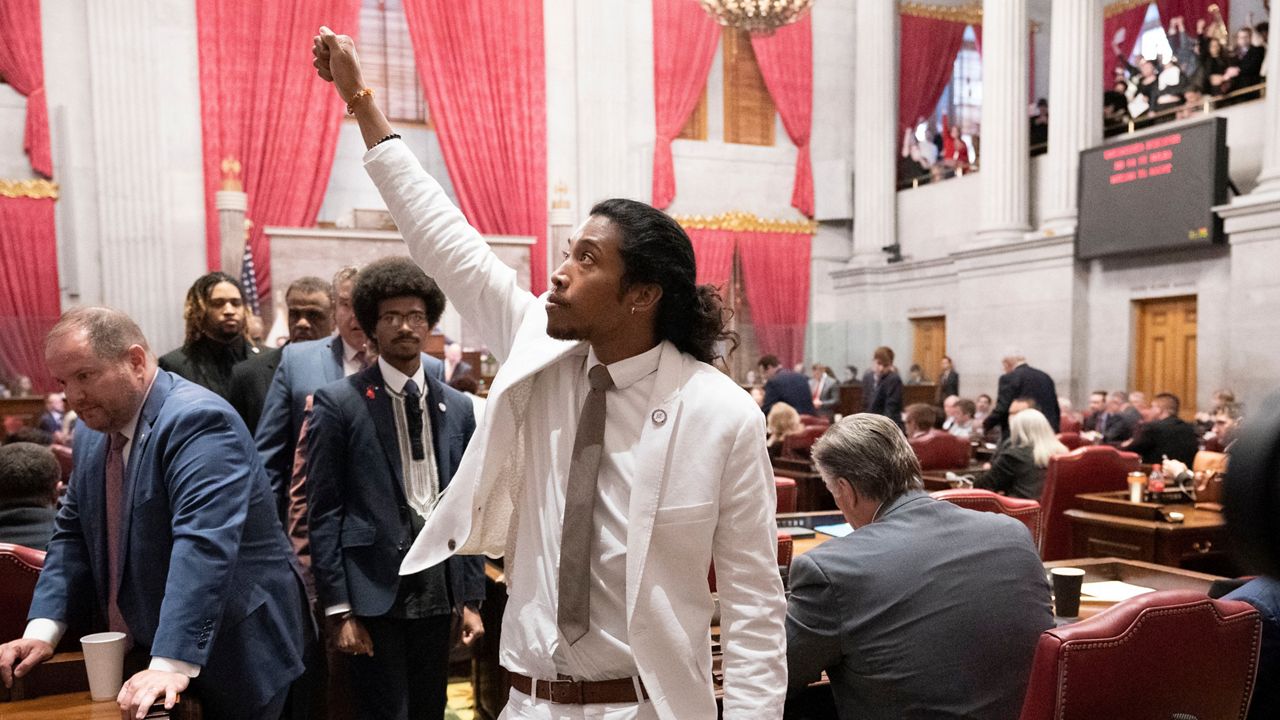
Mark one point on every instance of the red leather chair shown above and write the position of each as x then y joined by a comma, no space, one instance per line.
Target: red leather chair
1172,654
938,450
814,421
1071,439
1098,468
786,488
798,445
19,570
1025,511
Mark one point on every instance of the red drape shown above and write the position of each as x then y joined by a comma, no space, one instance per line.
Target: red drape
684,44
926,59
1130,22
22,66
786,63
1191,10
775,276
713,252
263,105
29,300
485,83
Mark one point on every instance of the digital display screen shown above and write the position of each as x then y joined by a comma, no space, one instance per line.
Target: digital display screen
1154,191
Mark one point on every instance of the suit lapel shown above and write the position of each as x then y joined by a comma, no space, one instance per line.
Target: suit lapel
91,488
650,461
141,440
378,400
333,371
436,411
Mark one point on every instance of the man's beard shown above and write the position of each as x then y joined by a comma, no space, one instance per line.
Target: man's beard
563,333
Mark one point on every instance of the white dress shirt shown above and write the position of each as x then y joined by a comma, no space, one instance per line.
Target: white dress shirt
351,366
531,641
51,631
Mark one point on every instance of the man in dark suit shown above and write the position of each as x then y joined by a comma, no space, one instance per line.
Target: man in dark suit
28,494
309,302
217,335
886,398
166,533
381,447
454,365
1248,58
907,643
782,385
1167,435
1020,380
824,390
948,381
55,406
1120,421
1097,412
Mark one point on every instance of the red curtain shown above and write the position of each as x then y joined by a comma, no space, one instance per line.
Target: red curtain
483,70
775,276
713,251
263,105
786,63
926,58
684,44
1191,11
29,299
22,66
1130,22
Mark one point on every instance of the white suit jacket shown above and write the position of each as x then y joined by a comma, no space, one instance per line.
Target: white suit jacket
703,490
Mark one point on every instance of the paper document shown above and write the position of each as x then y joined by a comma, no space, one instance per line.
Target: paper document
1111,591
834,530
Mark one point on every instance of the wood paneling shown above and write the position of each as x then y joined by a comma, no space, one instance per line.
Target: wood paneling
1165,349
748,109
930,345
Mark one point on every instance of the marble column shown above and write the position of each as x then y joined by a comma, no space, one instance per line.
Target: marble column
1075,107
1269,178
231,206
875,131
1003,152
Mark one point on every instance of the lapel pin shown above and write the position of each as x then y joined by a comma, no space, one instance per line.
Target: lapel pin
442,407
659,416
368,392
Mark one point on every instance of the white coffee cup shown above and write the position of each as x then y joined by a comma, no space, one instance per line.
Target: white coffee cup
104,662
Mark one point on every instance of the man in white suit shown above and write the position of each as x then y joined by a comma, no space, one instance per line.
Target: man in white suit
613,466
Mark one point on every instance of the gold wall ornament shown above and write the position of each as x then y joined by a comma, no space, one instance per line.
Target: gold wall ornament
37,189
231,175
561,201
761,17
1120,6
969,14
739,221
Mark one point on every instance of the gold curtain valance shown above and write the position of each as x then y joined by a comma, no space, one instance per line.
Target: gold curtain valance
746,222
1120,6
970,14
37,189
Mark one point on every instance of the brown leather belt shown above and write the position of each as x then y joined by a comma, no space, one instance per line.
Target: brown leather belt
584,692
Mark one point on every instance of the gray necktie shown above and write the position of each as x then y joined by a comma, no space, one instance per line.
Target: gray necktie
574,612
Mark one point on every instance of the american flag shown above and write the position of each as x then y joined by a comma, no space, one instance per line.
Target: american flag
249,279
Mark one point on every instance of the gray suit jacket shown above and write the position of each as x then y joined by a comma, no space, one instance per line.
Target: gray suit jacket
939,612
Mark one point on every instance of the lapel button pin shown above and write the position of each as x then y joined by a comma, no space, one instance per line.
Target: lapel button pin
442,407
659,417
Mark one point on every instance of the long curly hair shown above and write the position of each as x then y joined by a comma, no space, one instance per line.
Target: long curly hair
196,307
655,249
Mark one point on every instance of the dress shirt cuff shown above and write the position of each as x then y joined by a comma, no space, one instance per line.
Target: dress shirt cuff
174,666
49,631
337,609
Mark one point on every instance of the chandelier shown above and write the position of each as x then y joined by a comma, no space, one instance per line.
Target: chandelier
756,16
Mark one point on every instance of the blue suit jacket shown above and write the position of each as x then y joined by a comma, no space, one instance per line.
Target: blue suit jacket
207,576
791,388
360,522
304,368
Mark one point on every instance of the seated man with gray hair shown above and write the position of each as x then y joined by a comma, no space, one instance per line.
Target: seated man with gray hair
926,610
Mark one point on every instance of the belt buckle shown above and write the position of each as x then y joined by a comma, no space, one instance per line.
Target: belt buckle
566,692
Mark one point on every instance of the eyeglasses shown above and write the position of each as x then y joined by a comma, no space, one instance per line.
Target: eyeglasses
395,319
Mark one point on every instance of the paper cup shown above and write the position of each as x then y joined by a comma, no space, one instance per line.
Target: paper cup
1066,591
104,662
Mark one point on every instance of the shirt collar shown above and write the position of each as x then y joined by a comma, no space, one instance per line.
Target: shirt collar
628,371
395,380
348,352
130,429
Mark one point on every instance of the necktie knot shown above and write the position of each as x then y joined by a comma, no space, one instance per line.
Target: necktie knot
599,378
118,441
411,390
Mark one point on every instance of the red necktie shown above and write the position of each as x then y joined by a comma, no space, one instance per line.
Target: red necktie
116,507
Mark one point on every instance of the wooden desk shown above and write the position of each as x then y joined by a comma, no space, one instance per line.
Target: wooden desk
937,479
1156,577
1107,525
58,690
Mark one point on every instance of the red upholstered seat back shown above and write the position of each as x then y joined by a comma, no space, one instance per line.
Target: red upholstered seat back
1071,439
19,570
941,451
1165,654
798,445
786,488
1098,468
1025,511
814,421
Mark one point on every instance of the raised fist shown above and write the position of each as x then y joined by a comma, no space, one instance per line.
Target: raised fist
336,61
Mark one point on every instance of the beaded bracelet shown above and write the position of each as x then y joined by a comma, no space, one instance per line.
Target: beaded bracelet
392,136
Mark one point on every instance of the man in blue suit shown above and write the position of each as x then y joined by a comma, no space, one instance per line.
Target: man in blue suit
167,532
381,447
782,385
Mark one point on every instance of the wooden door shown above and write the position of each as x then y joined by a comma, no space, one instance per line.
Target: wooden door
930,346
1165,349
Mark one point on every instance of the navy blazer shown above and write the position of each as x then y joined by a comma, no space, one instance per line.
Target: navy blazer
791,388
207,575
1024,381
360,521
304,368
